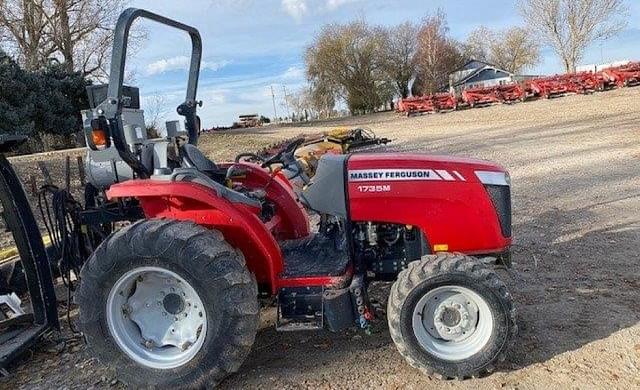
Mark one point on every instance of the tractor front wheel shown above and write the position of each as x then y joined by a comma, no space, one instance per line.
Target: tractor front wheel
449,315
168,304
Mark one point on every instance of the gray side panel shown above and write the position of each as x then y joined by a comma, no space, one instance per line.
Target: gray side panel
326,193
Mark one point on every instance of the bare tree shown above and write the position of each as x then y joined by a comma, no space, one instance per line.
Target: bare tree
83,33
300,103
516,50
78,33
347,59
513,49
477,45
322,98
26,31
155,109
400,62
438,54
570,26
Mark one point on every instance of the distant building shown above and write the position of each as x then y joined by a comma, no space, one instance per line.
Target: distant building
598,67
478,74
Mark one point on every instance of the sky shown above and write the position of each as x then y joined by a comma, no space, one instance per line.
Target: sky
252,46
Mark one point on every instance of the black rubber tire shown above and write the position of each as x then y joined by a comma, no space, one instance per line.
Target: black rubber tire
214,269
450,269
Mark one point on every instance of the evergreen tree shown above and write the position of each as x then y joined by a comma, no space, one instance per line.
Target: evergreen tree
16,103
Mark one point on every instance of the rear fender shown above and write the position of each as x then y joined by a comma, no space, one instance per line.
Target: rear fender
239,223
293,221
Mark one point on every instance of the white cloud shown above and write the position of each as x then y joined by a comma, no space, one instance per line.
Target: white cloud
297,9
335,4
293,73
180,63
165,65
214,66
213,96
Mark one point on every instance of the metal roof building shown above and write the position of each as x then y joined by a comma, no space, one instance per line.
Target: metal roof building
478,74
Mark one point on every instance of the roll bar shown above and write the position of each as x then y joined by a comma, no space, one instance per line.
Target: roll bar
111,108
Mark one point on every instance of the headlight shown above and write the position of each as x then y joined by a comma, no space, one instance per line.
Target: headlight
494,178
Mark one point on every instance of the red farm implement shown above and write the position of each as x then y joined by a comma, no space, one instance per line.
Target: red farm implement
548,87
428,104
500,94
480,96
583,82
624,76
445,101
510,93
416,104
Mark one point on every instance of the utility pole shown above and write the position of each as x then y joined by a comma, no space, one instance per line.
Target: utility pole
286,100
273,99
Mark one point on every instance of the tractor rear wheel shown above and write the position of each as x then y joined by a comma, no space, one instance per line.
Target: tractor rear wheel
168,304
450,316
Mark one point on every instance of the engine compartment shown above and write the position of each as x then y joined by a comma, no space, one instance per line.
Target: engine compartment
386,249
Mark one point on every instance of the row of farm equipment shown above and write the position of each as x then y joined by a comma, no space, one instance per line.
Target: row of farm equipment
543,87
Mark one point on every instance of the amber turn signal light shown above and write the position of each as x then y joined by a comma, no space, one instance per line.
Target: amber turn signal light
99,138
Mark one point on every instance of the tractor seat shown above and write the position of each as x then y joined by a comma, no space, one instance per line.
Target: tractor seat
192,157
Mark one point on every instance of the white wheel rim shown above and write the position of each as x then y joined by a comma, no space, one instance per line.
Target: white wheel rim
156,317
452,323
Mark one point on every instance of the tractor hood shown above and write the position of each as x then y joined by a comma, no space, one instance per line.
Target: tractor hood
459,204
412,166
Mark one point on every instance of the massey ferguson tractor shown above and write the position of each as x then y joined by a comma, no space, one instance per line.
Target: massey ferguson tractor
172,300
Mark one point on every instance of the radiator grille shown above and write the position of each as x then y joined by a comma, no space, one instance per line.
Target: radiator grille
501,199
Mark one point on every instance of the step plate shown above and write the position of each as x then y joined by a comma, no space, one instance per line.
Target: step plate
300,308
315,255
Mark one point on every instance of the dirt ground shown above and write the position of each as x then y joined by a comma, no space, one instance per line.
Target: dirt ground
575,169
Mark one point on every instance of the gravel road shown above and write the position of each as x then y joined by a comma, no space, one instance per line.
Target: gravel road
575,168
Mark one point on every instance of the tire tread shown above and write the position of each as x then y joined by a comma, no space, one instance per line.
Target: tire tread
439,264
211,260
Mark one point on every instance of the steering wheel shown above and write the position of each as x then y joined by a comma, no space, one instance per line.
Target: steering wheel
285,156
249,157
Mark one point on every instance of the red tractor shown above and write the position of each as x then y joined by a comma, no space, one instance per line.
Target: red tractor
172,300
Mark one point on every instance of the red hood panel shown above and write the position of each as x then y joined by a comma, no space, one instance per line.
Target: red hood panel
440,194
448,167
418,160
